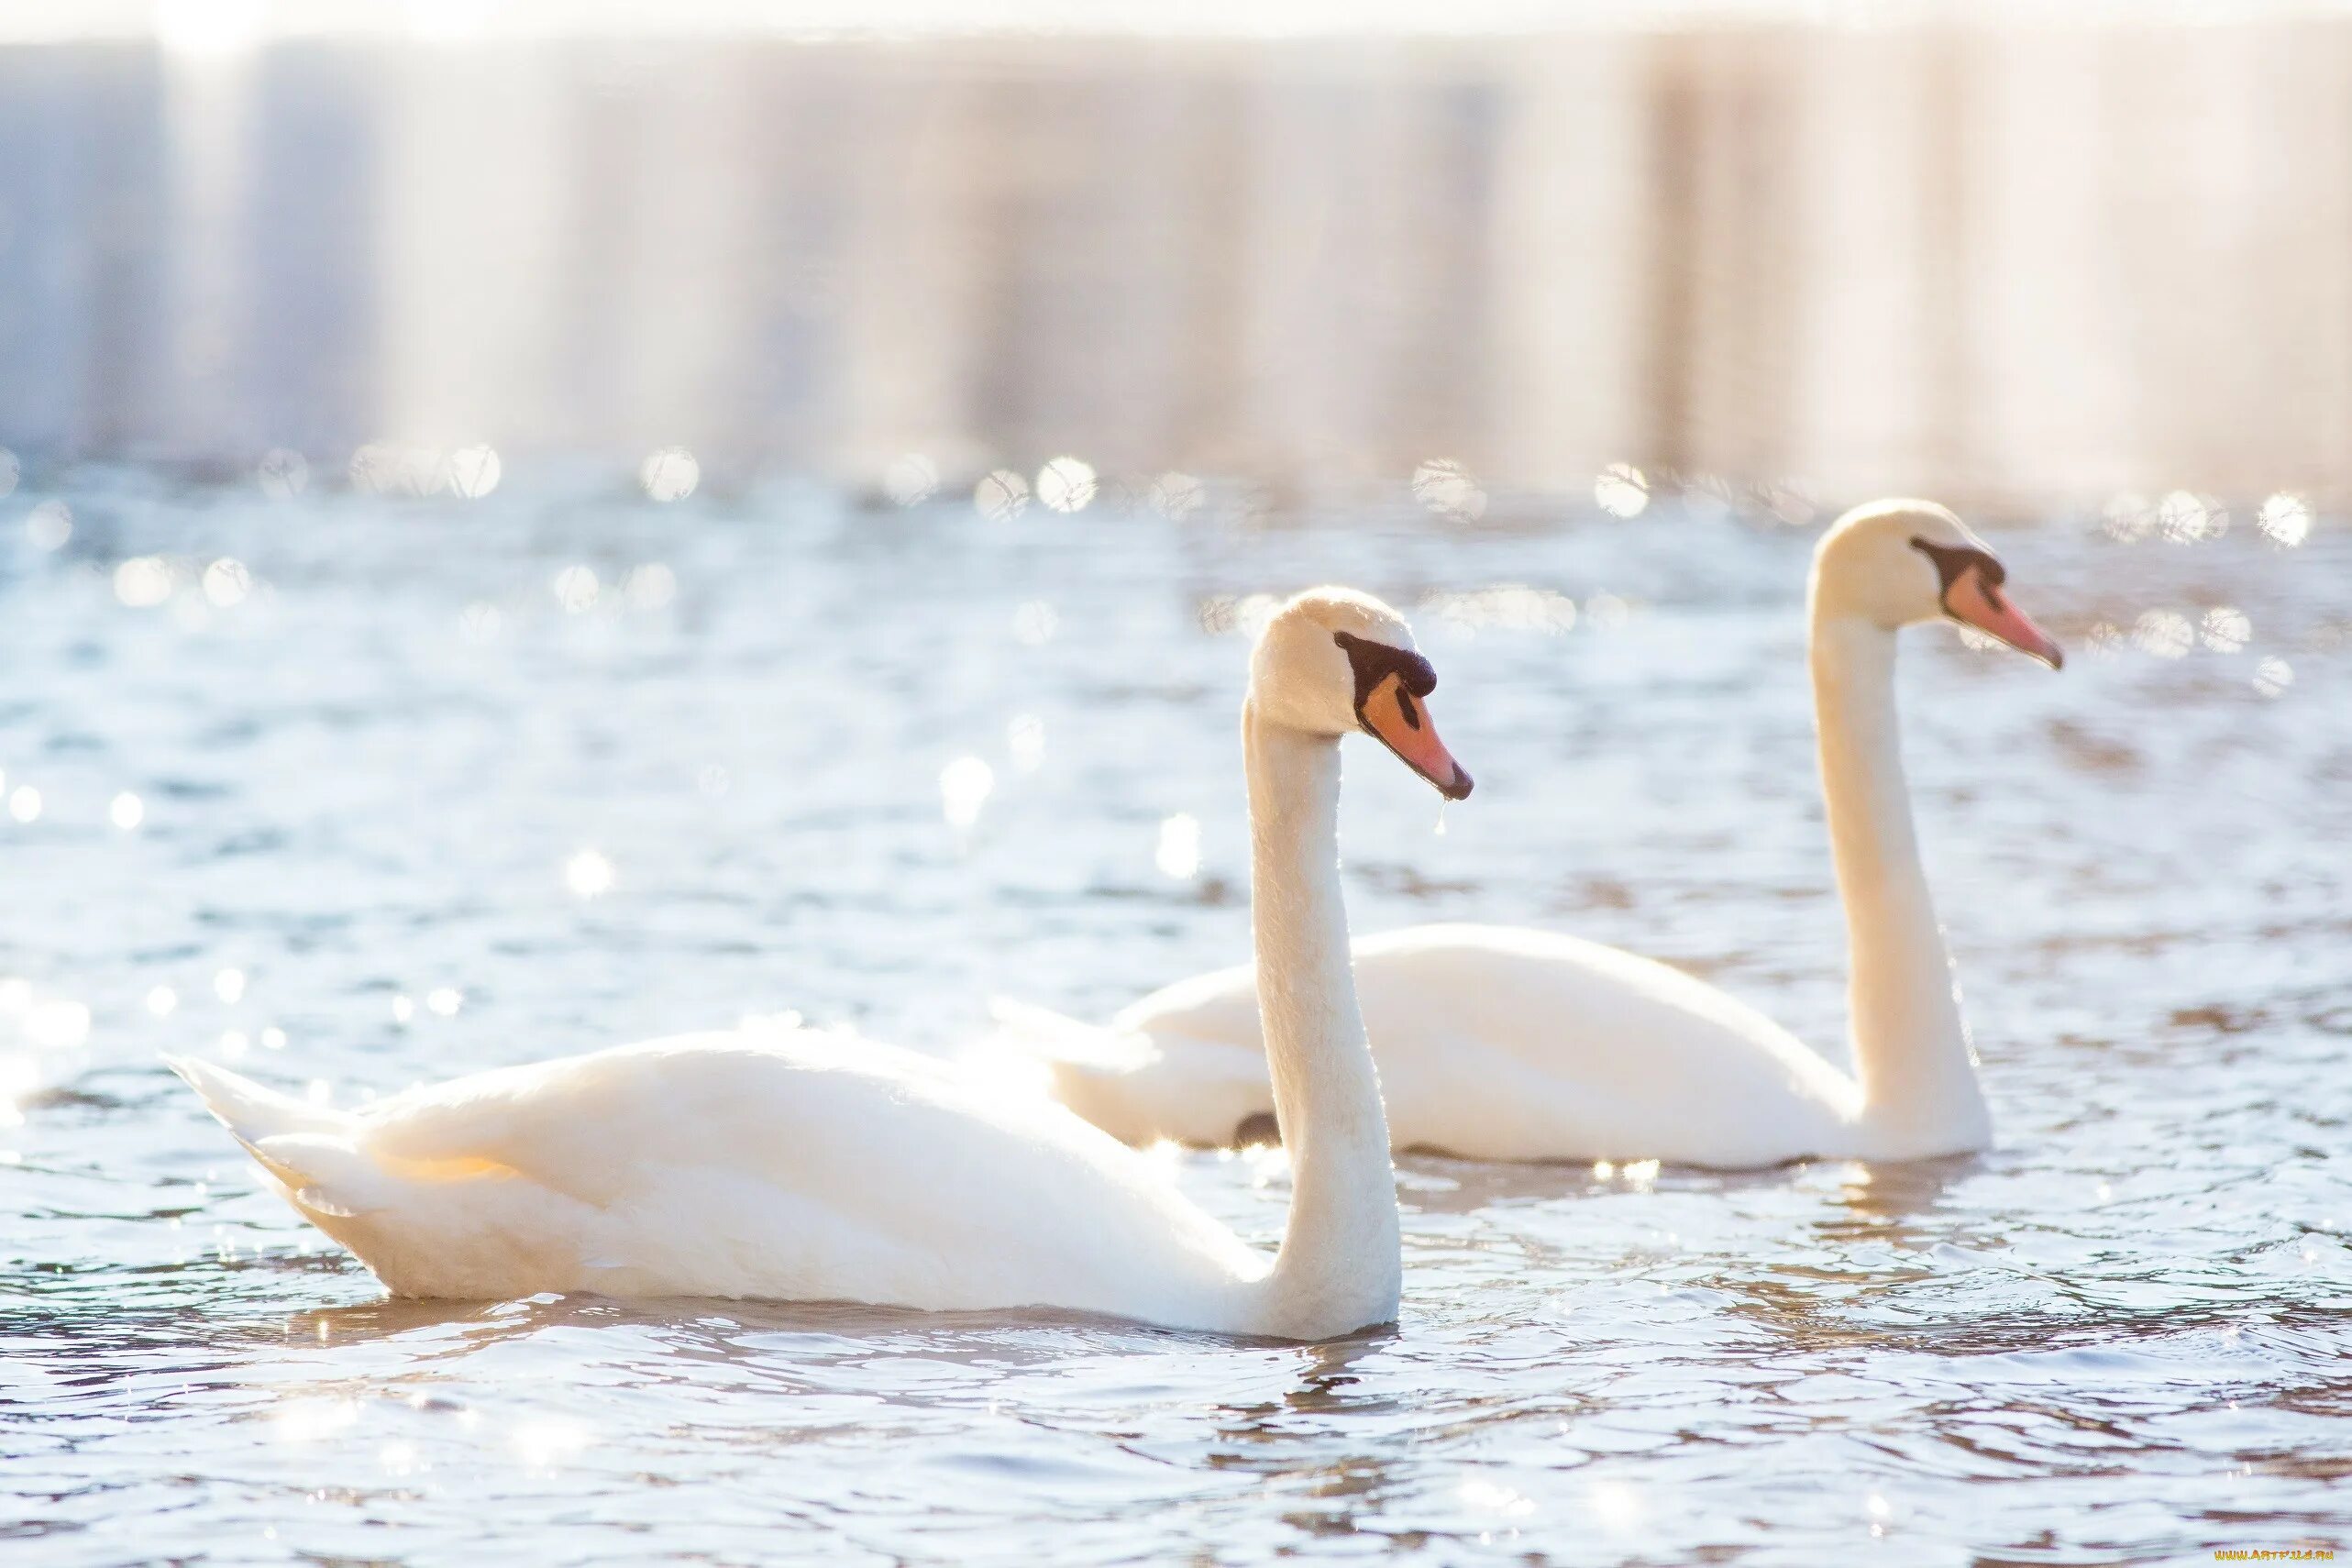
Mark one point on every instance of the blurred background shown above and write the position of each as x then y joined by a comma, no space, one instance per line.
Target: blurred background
526,526
1803,252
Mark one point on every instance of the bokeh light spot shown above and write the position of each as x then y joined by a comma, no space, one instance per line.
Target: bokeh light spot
2225,629
544,1445
1001,496
1221,615
1033,623
49,524
1509,606
670,474
649,587
1446,488
1621,491
143,581
474,471
2285,520
910,478
374,467
1616,1504
1493,1498
1178,855
1066,484
1176,496
576,588
283,473
1024,737
2165,633
964,788
589,874
2128,518
2186,519
226,582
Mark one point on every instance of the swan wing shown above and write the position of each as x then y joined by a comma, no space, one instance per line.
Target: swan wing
1510,1044
1500,1043
812,1166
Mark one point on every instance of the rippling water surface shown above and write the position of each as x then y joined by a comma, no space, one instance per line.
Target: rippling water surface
369,787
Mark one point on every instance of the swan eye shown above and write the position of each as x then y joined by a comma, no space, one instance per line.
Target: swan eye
1956,561
1374,662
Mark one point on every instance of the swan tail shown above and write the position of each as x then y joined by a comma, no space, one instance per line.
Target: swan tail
453,1221
1063,1041
251,1111
309,1150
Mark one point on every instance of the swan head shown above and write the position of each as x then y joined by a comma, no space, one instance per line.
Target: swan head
1332,661
1894,563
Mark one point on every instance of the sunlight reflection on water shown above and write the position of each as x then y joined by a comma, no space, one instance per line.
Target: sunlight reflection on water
376,848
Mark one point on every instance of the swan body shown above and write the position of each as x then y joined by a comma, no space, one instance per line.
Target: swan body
1505,1044
811,1166
802,1166
1514,1044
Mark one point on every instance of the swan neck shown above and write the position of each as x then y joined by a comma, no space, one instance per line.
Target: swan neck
1339,1264
1912,1055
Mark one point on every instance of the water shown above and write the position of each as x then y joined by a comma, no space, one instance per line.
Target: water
371,785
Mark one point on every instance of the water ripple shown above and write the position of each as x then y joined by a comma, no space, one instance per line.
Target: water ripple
2117,1338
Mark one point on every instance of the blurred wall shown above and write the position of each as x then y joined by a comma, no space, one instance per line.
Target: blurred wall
2021,266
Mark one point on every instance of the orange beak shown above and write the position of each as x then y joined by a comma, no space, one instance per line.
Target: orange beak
1403,725
1979,603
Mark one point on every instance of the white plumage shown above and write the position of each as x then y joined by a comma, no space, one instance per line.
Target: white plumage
802,1166
1499,1043
784,1166
1503,1044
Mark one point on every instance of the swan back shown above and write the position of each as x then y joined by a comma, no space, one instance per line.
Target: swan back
811,1166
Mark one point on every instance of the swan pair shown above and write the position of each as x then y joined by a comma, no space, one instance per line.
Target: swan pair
815,1167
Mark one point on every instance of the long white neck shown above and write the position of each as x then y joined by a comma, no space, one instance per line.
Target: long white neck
1340,1266
1917,1072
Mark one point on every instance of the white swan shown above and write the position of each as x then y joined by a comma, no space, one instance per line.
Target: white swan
1514,1045
819,1168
